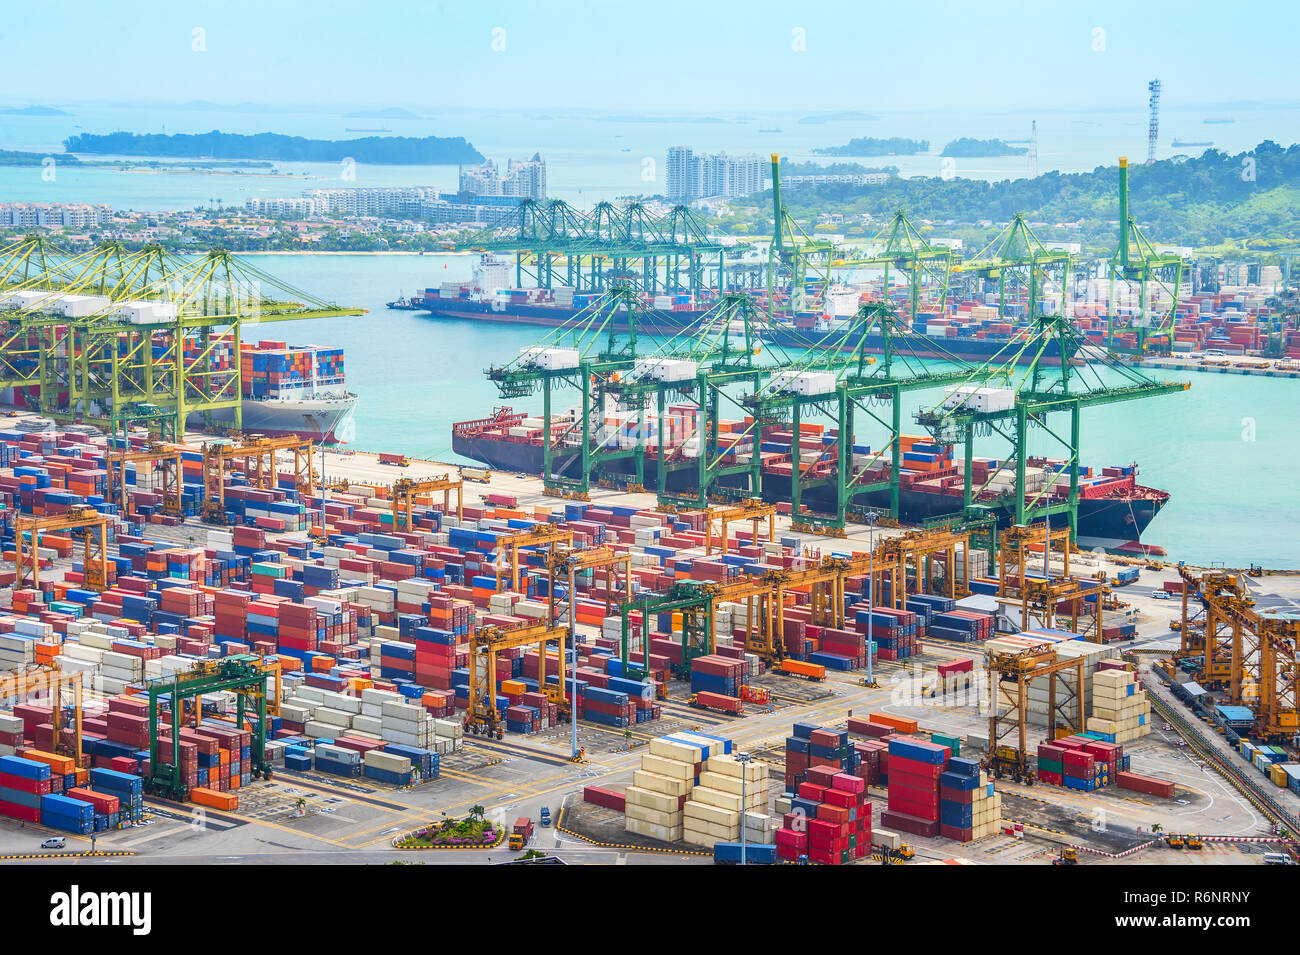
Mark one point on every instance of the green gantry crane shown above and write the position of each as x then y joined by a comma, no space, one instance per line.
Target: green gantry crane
900,246
241,674
1044,376
554,244
113,336
1136,261
1018,259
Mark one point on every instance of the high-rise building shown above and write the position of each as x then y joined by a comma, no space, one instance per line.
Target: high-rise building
76,215
714,175
524,178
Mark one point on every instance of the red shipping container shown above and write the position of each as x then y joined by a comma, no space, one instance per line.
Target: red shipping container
600,796
15,811
1145,784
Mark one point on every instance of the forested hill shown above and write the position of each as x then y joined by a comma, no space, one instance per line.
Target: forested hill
1198,201
380,150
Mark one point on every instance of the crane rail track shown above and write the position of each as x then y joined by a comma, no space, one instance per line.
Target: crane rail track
1240,781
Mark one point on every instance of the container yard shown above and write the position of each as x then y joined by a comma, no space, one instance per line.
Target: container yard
739,479
332,673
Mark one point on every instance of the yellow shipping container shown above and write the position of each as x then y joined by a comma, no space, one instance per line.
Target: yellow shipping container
656,783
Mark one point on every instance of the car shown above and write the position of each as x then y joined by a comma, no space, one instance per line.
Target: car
56,842
1160,595
1215,353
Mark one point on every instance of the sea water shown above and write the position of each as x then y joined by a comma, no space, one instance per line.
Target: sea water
1227,450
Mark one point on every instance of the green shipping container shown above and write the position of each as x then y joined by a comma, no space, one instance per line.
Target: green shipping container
1051,766
952,742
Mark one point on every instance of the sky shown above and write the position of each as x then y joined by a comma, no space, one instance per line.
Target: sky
674,55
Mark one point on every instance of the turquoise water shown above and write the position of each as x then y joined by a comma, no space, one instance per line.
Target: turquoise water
1227,449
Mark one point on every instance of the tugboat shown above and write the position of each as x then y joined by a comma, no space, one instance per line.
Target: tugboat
402,305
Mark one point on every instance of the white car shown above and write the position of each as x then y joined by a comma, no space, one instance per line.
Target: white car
1161,595
57,842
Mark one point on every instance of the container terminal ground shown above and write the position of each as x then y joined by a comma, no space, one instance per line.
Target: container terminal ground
310,818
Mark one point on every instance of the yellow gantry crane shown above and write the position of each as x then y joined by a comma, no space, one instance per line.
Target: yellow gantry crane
538,536
1016,551
568,562
257,455
1009,674
1249,654
49,682
482,715
27,541
914,553
405,491
170,470
753,510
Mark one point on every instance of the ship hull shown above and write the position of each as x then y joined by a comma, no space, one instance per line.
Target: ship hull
673,323
318,419
1121,519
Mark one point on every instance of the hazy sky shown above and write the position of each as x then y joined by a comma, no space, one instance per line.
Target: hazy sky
658,54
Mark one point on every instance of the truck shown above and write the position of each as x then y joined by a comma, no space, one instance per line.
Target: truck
546,816
396,460
522,833
704,700
807,671
479,475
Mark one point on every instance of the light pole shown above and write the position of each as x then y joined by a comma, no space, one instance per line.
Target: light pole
871,591
743,759
573,642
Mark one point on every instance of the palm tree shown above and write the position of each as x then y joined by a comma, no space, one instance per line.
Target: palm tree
300,803
476,813
1156,827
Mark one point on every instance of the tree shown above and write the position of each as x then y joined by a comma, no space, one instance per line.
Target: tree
1156,827
476,813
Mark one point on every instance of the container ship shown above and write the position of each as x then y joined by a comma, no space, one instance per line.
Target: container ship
293,390
489,298
1232,319
1114,509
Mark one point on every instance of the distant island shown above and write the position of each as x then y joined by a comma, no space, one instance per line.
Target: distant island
391,112
870,146
982,148
791,168
33,111
848,116
9,157
380,150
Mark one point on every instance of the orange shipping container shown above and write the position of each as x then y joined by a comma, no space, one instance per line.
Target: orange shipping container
213,799
58,764
900,723
800,668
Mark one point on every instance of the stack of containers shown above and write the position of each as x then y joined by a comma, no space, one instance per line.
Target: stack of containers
894,631
829,820
1120,709
23,782
812,747
337,760
127,787
67,814
718,674
969,808
915,766
656,800
715,810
